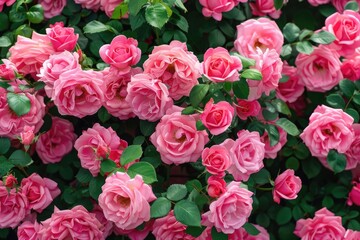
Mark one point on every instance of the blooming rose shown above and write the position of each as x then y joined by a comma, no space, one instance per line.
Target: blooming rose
28,231
350,68
265,7
27,136
10,181
216,186
215,8
320,70
216,159
231,210
7,70
316,3
293,88
271,151
110,5
52,8
242,234
287,186
107,225
7,2
89,4
175,66
245,109
148,97
262,33
177,139
351,235
219,66
75,223
328,129
121,53
354,195
125,201
136,234
353,153
78,93
62,38
325,225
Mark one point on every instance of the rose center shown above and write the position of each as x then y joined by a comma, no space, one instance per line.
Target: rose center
171,68
123,201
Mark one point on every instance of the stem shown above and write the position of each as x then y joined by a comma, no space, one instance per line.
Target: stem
264,188
23,170
347,104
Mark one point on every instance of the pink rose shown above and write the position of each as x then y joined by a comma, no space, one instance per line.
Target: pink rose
125,201
217,117
28,231
10,181
325,225
89,4
242,234
262,33
7,2
247,154
75,223
27,136
350,68
7,70
292,89
28,54
62,38
351,235
135,234
265,7
216,159
354,195
271,151
287,186
108,226
245,109
328,129
320,70
231,210
148,97
215,8
177,139
121,53
219,66
39,191
353,153
316,3
216,186
52,8
340,4
175,66
78,93
109,7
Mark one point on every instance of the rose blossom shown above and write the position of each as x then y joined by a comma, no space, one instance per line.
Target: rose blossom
216,186
262,33
351,235
245,109
27,136
328,129
340,4
52,8
62,38
177,139
89,4
7,70
353,153
148,97
316,3
292,89
108,226
175,66
231,210
110,5
242,234
10,181
271,151
354,195
215,8
121,53
350,68
216,159
75,223
220,66
28,231
325,225
125,201
287,186
7,2
265,7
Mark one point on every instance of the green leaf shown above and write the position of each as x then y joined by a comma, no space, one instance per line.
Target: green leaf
218,235
288,126
337,161
147,128
251,229
353,113
252,74
180,5
187,213
135,6
120,11
305,33
5,41
103,115
145,169
160,207
4,19
273,134
291,32
352,5
19,103
107,166
130,154
323,37
17,15
311,167
241,89
193,184
96,27
216,38
188,110
297,212
157,15
347,87
35,14
335,101
84,175
197,93
281,106
304,47
356,97
139,140
261,177
286,50
284,215
278,4
5,166
20,158
95,186
292,163
176,192
195,231
4,85
4,145
181,22
246,62
339,192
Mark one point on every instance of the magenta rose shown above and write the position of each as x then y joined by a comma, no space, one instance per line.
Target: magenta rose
28,231
125,201
177,139
350,68
353,153
75,223
109,6
216,186
62,38
287,186
316,3
271,151
216,159
265,7
231,210
121,53
148,97
89,4
7,70
52,8
328,129
354,195
262,33
325,225
245,109
6,2
351,235
215,8
10,181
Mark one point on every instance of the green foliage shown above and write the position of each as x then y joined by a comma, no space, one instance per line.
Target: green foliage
187,213
19,103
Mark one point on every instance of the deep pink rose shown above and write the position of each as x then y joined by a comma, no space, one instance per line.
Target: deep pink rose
271,151
75,223
231,210
247,154
148,97
325,225
220,66
216,186
109,6
10,181
328,129
7,70
293,88
353,153
125,201
265,7
350,68
52,8
262,33
217,117
62,38
354,195
177,139
245,109
351,235
7,2
175,66
108,226
78,93
316,3
215,8
28,231
28,54
216,159
287,186
89,4
27,136
121,53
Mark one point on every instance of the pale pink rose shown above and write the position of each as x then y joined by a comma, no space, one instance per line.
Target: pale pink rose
10,181
62,38
265,7
148,97
168,227
292,89
220,66
14,206
231,210
216,186
78,93
96,143
287,186
75,223
109,6
350,68
28,231
340,4
215,8
39,191
247,154
316,3
177,139
245,109
353,153
52,8
242,234
7,70
216,159
271,151
28,54
262,33
325,225
320,70
328,129
354,195
7,2
270,65
125,201
351,235
121,53
89,4
175,66
107,226
135,234
27,136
